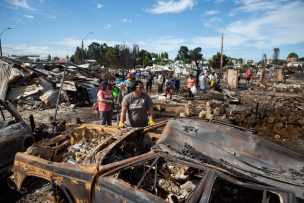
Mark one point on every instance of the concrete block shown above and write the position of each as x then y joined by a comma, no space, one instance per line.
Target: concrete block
202,114
216,111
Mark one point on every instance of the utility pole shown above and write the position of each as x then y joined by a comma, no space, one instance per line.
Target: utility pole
143,59
82,58
222,45
8,28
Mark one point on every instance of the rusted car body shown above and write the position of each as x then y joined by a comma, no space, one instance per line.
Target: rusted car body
15,136
192,161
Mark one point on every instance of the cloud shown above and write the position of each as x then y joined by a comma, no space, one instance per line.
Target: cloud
215,22
247,37
108,26
29,16
126,20
99,6
26,49
171,6
210,12
280,26
161,44
73,43
51,16
20,4
248,6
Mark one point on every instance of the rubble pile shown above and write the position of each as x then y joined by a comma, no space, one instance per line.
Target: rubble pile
38,86
281,116
80,150
173,182
130,147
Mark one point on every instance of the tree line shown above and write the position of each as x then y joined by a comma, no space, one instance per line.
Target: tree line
118,56
122,56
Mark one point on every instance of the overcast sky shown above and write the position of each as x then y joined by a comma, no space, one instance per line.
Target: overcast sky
250,27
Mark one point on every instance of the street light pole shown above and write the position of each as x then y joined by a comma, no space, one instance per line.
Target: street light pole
89,33
8,28
82,51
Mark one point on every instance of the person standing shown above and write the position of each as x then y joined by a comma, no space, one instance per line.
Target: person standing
177,84
160,81
137,75
248,75
105,102
190,84
150,81
129,82
202,80
169,86
212,80
135,106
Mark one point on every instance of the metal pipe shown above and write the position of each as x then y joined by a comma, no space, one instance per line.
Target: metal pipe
256,110
142,178
89,33
58,98
155,175
8,28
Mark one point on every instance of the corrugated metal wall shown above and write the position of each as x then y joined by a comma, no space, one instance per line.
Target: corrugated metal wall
5,72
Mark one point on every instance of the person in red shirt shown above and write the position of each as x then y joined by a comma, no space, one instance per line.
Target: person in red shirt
105,101
190,84
248,76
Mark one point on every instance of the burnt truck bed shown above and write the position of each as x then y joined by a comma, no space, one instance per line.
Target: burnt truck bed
188,161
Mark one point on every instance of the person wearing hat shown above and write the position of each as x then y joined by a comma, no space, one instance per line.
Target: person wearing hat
129,82
105,102
137,108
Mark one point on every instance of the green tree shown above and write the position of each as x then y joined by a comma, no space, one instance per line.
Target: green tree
164,55
49,57
215,61
196,56
78,56
112,56
72,58
292,54
94,51
301,59
183,54
103,51
147,59
154,55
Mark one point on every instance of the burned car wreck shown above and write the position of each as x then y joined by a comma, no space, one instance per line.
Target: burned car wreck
187,161
15,136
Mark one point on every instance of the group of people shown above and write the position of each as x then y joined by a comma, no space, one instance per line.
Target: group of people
136,106
206,79
168,83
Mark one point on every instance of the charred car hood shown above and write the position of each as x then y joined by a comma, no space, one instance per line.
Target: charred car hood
236,151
